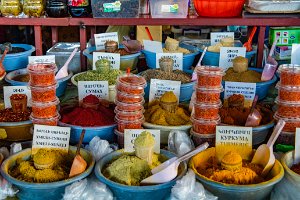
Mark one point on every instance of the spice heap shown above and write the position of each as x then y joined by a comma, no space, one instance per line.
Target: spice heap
172,46
129,100
43,91
288,99
207,105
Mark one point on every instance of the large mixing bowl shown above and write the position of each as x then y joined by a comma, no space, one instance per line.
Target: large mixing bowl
125,192
42,191
17,131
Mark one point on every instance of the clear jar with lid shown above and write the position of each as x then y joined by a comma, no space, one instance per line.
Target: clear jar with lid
10,8
33,8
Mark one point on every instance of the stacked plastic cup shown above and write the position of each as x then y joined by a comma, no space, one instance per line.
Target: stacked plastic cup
288,99
129,100
43,93
205,115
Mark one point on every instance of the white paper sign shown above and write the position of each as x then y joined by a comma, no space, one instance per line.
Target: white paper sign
177,57
41,59
131,134
153,46
297,147
295,54
246,89
101,38
114,59
54,137
215,37
227,54
10,90
159,87
97,88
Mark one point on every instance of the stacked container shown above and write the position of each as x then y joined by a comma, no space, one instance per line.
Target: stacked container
205,115
129,100
288,101
43,93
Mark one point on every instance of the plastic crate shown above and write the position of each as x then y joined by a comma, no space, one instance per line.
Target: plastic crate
169,8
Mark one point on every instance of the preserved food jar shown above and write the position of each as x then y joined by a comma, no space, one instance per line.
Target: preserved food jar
10,8
33,8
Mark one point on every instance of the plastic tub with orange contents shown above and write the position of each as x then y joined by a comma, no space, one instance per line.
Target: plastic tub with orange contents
199,138
287,108
129,124
208,95
130,106
129,98
52,121
42,74
205,126
120,138
43,94
44,110
288,93
207,111
291,123
210,76
129,115
289,74
131,84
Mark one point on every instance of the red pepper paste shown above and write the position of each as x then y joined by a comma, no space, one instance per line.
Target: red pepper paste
92,99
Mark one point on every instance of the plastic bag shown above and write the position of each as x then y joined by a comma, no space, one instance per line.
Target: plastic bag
189,188
99,148
286,189
88,189
179,142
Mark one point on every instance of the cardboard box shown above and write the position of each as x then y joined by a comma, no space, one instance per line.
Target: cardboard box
287,35
155,31
283,52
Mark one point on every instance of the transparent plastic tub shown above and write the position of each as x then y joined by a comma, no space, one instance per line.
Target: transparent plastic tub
206,95
52,121
207,111
288,93
120,138
131,84
44,110
205,126
210,76
289,74
42,74
43,94
291,123
288,109
199,138
169,8
129,115
129,124
129,98
130,106
286,138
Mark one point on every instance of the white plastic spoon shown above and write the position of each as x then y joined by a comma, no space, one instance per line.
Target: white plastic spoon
264,155
63,72
169,171
194,76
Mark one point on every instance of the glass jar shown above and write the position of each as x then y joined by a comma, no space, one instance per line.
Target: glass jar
33,8
10,8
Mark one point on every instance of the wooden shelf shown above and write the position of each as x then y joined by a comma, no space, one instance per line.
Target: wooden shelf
34,21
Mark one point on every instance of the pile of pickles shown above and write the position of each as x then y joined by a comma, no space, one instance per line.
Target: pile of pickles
14,8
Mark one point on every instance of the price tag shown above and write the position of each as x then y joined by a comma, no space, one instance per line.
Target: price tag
114,59
53,137
159,87
177,57
41,59
131,134
153,46
97,88
215,37
101,38
297,147
10,90
246,89
233,138
227,54
295,54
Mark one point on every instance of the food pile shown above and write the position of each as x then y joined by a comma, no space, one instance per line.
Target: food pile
175,75
172,46
224,42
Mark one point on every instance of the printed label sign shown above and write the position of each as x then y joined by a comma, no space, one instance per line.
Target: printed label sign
114,59
10,90
215,37
131,134
297,147
97,88
41,59
153,46
169,8
246,89
101,38
159,87
295,54
177,57
234,138
227,54
112,7
54,137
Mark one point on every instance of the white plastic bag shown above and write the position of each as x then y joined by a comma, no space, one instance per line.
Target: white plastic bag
99,148
179,142
88,189
286,189
189,188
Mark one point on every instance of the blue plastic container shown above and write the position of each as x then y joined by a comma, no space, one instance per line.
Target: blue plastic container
127,61
124,192
262,88
18,60
188,59
104,132
62,83
260,133
43,191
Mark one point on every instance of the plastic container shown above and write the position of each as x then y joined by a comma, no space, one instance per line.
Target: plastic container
286,138
43,94
44,110
129,98
17,131
268,72
130,106
57,8
129,124
129,115
205,126
289,75
290,123
10,8
120,138
199,138
169,8
209,76
52,121
288,93
79,8
33,8
42,74
219,8
288,109
131,84
207,111
204,95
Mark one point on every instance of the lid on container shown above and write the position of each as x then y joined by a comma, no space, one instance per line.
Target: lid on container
141,103
209,90
55,117
287,133
208,136
209,105
132,80
43,88
133,112
290,88
286,119
41,67
206,121
44,104
134,96
210,71
287,103
289,68
64,47
118,133
141,120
